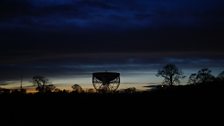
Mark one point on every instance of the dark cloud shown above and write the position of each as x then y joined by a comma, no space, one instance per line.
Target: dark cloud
101,14
56,36
84,64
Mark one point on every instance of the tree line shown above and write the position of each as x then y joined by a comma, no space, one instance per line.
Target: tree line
172,76
170,73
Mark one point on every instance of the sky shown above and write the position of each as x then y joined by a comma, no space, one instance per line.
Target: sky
67,40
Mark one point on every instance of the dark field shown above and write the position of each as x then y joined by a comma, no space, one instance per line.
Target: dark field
187,103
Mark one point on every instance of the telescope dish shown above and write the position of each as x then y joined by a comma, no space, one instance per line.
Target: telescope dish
106,81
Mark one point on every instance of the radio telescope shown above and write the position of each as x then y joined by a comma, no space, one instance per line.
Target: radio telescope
106,81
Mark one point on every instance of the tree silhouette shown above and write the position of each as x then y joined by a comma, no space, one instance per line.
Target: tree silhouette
192,79
41,83
76,88
49,88
221,75
91,90
130,90
39,80
171,74
57,90
204,75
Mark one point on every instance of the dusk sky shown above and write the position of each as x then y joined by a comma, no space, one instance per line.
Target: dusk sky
67,40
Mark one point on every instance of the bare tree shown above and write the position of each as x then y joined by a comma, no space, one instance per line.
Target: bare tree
171,74
192,79
204,75
42,84
221,75
49,88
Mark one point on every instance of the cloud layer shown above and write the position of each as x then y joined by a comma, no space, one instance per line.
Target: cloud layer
77,36
114,15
